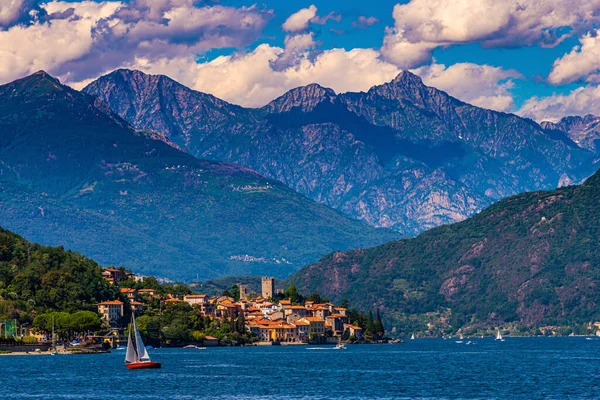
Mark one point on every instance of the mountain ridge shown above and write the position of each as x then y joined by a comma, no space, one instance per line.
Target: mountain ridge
72,174
402,155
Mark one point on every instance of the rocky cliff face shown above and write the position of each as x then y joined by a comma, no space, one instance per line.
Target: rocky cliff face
584,131
402,155
74,173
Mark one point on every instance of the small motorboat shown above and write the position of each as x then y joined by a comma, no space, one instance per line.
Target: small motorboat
340,346
137,356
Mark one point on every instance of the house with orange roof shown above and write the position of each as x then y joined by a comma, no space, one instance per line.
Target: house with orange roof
113,274
335,322
151,293
316,325
340,310
354,330
110,311
302,329
193,299
130,293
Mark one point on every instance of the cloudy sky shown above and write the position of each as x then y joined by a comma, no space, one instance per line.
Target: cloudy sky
538,58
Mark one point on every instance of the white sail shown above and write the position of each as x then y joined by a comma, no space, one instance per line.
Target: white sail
498,336
141,349
131,355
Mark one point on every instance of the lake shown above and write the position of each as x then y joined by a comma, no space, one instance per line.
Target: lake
525,368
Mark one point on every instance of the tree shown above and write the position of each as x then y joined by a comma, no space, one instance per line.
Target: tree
234,292
379,329
84,321
345,303
241,324
370,324
292,294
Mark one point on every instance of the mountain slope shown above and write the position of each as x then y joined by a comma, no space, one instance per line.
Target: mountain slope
584,131
74,173
531,259
402,155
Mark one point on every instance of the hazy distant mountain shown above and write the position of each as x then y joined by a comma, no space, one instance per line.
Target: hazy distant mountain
584,131
402,155
531,259
74,173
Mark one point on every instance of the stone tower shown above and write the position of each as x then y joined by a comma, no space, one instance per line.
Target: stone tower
268,287
243,291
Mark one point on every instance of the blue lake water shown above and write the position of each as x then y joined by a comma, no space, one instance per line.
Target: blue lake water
522,368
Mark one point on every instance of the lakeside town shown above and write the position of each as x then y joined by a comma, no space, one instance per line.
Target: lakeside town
172,315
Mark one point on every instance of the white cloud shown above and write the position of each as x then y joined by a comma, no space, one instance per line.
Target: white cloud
298,21
423,25
481,85
364,22
582,61
295,49
27,49
581,101
10,11
79,40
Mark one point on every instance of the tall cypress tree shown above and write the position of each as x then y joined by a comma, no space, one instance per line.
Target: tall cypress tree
379,329
370,324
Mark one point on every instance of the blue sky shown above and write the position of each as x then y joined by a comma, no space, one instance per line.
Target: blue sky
537,58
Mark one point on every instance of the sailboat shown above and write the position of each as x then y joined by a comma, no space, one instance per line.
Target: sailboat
412,337
137,356
53,352
499,336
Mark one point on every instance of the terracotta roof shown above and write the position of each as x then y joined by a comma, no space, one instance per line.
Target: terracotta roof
136,303
194,296
210,338
110,302
336,316
127,290
301,323
172,300
314,319
147,290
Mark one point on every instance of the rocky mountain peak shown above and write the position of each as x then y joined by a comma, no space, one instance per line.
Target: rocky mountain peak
584,131
407,78
304,98
38,84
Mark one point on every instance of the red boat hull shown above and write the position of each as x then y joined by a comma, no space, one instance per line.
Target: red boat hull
143,365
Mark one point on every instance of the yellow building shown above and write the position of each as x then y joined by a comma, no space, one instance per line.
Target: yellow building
110,311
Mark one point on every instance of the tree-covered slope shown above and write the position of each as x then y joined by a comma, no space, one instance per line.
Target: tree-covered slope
40,278
533,259
73,173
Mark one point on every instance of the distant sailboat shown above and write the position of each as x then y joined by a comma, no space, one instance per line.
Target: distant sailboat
499,336
412,337
137,356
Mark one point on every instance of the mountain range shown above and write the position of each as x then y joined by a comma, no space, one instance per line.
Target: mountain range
74,173
402,155
530,260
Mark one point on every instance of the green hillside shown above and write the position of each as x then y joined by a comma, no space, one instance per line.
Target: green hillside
529,260
43,279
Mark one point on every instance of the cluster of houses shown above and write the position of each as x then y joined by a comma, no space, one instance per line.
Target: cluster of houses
280,321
